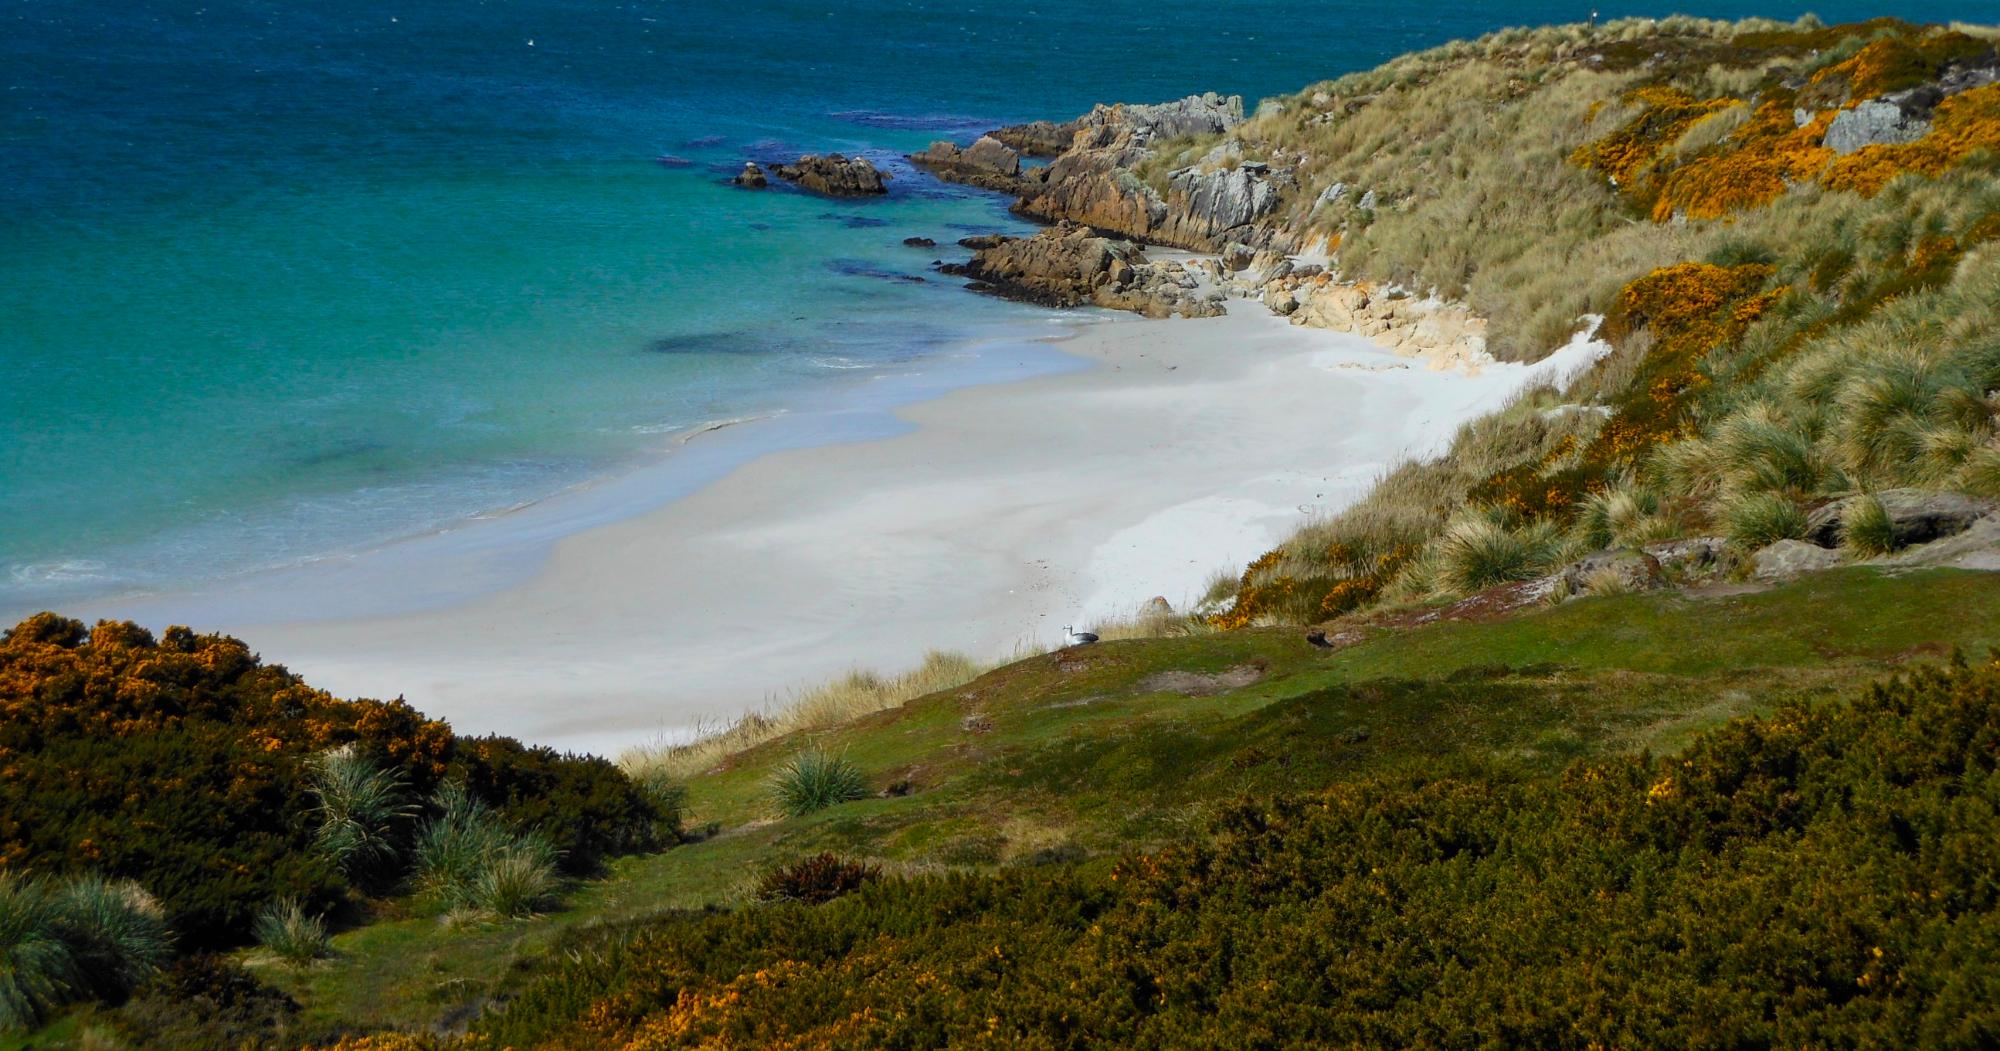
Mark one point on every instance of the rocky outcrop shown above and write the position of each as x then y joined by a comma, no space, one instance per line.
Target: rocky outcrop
1091,180
1918,516
1904,116
1038,138
919,242
1071,265
1215,206
752,177
1874,123
1447,334
987,163
835,176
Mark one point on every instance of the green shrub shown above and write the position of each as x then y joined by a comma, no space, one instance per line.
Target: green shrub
669,798
1763,518
67,940
360,809
115,931
1865,528
584,805
815,779
468,858
289,932
520,880
815,880
37,969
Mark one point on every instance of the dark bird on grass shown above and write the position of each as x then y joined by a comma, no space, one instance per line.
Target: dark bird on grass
1317,637
1079,638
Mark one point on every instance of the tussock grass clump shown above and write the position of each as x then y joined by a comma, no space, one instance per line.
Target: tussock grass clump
37,969
62,941
290,933
841,701
1865,527
1479,551
520,880
469,860
814,780
1757,519
358,807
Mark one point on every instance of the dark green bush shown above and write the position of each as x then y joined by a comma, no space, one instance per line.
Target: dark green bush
816,880
206,1002
584,805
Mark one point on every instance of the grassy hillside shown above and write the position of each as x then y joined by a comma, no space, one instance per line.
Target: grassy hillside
1063,763
1057,771
1793,325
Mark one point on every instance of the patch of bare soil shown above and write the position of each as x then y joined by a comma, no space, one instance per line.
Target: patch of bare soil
1197,684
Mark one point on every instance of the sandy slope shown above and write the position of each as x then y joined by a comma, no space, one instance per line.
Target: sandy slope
1008,511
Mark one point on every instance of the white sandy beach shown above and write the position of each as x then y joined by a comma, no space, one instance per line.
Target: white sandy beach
1007,511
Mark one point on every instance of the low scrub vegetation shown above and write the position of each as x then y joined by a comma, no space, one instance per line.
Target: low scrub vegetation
231,802
1809,878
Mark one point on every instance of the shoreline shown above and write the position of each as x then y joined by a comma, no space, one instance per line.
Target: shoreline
977,518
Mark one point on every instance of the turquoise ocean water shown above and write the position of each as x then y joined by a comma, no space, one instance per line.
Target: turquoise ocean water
279,279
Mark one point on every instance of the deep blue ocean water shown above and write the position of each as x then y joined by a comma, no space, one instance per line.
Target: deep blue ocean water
278,279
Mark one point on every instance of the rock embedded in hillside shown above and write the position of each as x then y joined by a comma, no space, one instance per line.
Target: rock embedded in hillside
1630,570
1792,558
752,177
1918,516
1447,334
1071,265
1877,122
836,176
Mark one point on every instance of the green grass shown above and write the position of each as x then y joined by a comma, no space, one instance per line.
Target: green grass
1125,745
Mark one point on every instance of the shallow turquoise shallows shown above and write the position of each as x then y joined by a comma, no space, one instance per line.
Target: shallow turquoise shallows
279,279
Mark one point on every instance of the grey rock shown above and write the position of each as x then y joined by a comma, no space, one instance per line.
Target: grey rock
1368,201
752,177
1237,257
1631,570
1874,123
1210,202
1918,515
1691,557
1791,558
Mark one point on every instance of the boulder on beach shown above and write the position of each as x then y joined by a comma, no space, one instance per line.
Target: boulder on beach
835,175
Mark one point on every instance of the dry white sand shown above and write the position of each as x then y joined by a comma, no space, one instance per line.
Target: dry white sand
1008,511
